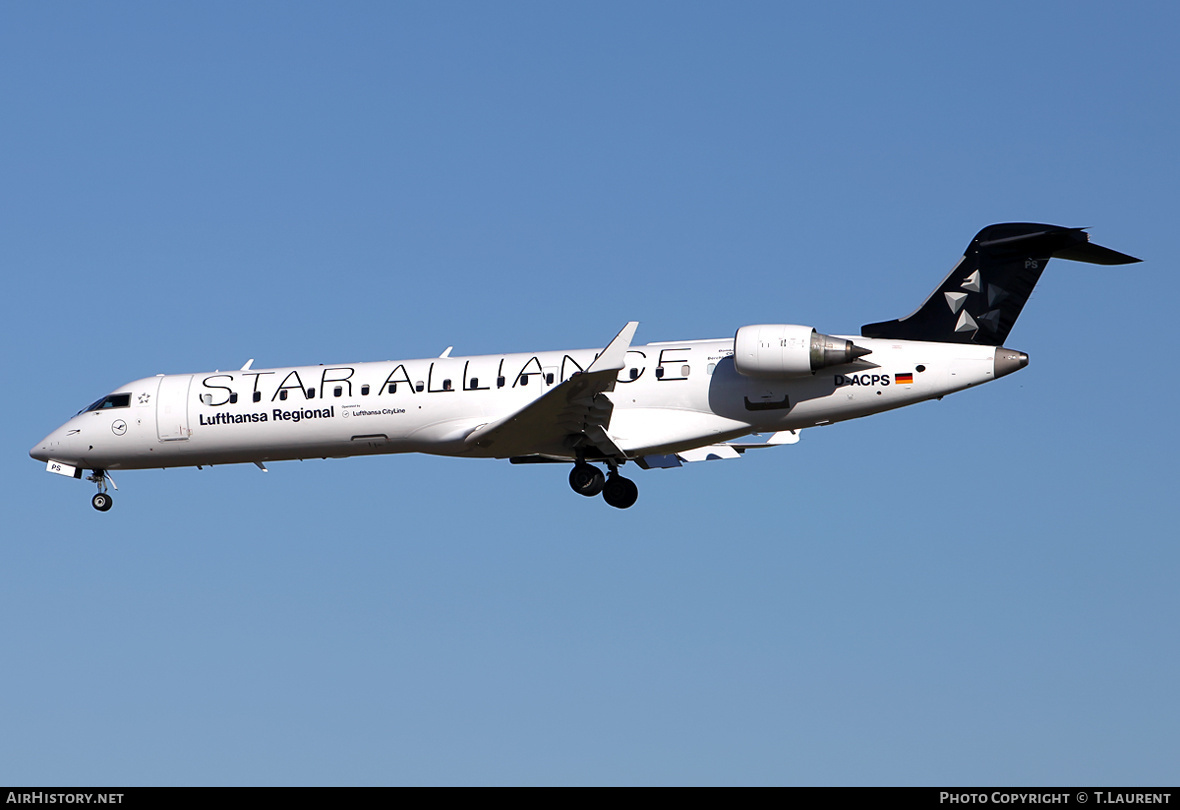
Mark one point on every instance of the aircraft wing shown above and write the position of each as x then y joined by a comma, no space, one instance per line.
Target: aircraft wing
572,415
713,452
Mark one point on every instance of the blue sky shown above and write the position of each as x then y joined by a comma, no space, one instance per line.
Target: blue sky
976,591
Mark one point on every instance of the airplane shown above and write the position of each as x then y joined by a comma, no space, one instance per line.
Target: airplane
658,405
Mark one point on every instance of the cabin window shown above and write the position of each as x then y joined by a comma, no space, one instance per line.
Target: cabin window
500,382
418,386
659,372
473,383
283,395
258,396
524,379
549,378
709,368
684,370
919,368
233,398
207,399
634,373
311,393
393,388
446,385
364,390
337,391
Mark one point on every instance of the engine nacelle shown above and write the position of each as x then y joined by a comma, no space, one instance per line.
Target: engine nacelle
786,350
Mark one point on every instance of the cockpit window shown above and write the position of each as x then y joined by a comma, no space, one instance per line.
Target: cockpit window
106,403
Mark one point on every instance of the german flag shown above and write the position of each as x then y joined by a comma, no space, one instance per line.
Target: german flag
903,379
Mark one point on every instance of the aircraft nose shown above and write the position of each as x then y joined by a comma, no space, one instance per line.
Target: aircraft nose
57,446
40,450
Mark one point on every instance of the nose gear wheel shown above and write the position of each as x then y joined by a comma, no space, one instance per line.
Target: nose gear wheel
102,501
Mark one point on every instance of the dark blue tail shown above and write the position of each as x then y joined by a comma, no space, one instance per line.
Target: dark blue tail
982,297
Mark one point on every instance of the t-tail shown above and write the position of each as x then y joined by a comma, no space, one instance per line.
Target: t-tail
982,297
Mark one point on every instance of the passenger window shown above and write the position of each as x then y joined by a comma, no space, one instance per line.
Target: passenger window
393,388
207,399
233,399
684,370
634,373
283,395
549,378
524,380
418,386
337,391
659,372
500,382
709,368
474,383
311,393
446,385
258,396
364,390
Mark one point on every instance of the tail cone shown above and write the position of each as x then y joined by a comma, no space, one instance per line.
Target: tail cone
1008,361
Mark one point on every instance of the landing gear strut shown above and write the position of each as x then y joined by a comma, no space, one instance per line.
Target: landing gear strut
102,501
588,480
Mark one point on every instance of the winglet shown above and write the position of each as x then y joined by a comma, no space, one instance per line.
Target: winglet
613,355
249,363
783,437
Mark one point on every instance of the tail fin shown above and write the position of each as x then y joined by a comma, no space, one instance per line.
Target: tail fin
983,295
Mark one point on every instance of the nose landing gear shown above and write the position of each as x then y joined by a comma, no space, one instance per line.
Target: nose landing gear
102,501
617,491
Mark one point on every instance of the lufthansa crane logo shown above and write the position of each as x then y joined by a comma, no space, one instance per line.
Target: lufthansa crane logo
118,427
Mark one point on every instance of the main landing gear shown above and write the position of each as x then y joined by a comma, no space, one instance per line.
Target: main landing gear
588,480
102,501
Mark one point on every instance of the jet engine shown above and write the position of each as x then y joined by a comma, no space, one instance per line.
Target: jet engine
786,350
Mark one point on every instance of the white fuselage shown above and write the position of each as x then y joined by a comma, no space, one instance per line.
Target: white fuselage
668,397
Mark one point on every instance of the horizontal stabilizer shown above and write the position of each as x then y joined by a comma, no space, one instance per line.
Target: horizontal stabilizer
1093,254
